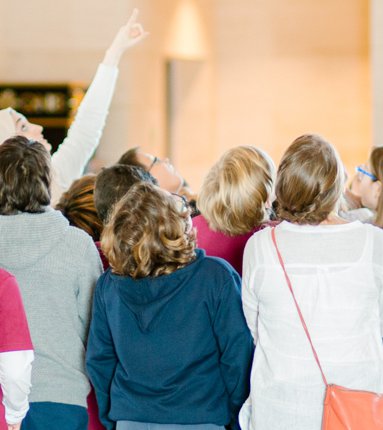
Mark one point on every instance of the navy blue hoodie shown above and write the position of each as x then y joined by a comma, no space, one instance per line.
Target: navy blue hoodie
173,349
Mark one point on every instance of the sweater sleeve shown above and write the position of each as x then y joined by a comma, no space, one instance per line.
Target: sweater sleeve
70,159
101,358
236,346
15,380
90,272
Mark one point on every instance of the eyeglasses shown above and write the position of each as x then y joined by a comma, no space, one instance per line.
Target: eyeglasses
155,161
181,203
362,171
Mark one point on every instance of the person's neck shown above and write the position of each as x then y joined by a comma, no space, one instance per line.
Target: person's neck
333,219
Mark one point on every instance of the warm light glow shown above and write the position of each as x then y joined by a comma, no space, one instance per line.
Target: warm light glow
186,38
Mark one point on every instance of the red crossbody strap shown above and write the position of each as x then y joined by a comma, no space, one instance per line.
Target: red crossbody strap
296,304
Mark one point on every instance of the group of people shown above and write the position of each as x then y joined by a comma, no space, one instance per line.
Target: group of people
129,303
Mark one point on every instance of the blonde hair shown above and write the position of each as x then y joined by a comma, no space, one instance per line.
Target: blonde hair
147,235
234,193
376,166
310,181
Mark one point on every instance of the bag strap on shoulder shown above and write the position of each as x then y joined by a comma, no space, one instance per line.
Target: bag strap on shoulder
296,305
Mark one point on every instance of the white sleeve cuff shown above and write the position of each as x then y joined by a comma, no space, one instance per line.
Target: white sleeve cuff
15,380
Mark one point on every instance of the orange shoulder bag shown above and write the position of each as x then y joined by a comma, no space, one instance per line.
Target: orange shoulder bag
343,408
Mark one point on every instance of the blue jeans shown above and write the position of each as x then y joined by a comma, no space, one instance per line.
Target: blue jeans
135,425
55,416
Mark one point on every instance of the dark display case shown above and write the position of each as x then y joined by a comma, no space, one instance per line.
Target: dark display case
51,105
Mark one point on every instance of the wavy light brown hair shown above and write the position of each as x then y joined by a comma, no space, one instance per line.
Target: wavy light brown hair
376,165
25,176
234,193
310,181
77,205
147,235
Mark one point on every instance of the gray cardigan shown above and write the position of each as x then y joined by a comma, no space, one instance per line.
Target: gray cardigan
57,267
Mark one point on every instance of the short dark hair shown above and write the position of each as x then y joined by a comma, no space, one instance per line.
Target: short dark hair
112,183
129,158
25,176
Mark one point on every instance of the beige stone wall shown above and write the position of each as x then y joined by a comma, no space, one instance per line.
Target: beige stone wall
377,68
266,71
286,68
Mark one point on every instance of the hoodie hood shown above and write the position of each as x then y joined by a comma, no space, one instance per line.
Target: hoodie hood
147,298
7,125
36,235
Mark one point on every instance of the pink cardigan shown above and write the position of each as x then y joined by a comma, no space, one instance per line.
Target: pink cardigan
218,244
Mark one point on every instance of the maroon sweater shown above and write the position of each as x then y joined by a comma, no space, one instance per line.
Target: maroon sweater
218,244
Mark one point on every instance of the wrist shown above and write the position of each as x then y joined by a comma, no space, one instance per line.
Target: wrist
112,57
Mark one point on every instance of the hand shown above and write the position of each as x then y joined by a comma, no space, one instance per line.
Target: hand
14,426
129,35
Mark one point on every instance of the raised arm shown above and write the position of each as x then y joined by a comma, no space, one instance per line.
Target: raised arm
128,35
69,161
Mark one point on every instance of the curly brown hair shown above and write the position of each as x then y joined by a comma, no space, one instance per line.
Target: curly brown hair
147,235
310,181
77,205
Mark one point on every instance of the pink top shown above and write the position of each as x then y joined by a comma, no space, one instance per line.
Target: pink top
218,244
14,331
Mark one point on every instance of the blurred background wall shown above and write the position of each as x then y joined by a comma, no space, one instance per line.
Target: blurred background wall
213,73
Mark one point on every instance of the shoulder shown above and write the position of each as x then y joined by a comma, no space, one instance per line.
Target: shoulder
200,223
8,284
80,249
259,237
79,238
215,267
376,233
6,276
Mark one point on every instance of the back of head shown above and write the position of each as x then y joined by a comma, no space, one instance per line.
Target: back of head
114,182
235,192
7,125
376,166
25,176
77,205
310,181
148,234
129,158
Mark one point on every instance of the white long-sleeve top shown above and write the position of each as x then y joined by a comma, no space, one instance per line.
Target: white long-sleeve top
70,159
15,381
337,275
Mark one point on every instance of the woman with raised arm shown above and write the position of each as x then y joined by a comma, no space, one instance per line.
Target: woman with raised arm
70,159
